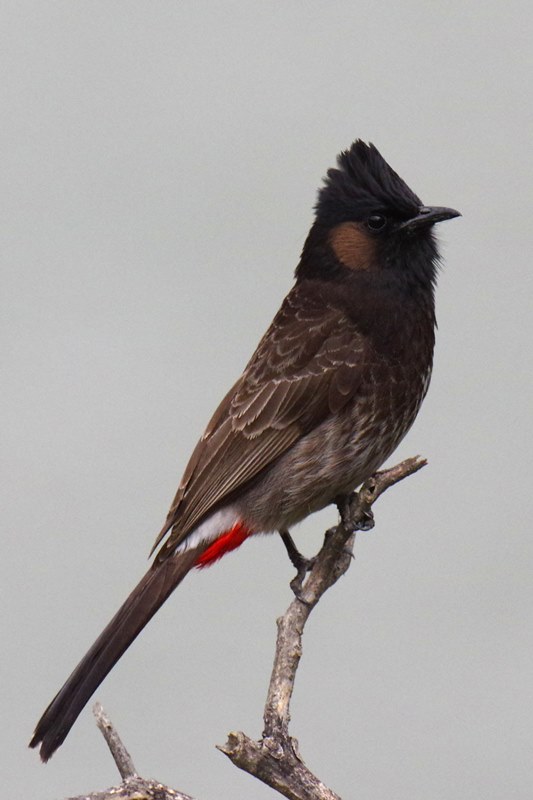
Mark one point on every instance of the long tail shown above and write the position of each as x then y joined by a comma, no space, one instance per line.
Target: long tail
149,595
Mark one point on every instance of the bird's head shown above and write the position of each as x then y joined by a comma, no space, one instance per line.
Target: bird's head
368,219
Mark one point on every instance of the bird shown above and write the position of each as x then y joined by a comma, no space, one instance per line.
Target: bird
332,388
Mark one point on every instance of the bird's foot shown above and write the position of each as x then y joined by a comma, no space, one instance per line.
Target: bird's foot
354,516
367,522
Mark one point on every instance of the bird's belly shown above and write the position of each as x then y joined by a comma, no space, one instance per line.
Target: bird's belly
333,459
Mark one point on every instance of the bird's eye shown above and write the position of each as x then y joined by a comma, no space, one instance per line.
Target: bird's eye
376,222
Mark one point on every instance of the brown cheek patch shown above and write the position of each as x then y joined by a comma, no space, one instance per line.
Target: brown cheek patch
352,246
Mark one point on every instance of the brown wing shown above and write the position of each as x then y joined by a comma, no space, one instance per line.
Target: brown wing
307,365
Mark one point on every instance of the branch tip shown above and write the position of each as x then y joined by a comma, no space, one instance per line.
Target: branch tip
120,755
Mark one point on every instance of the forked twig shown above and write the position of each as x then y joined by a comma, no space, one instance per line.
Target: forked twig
133,787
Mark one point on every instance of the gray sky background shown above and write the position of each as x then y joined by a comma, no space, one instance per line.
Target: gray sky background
159,166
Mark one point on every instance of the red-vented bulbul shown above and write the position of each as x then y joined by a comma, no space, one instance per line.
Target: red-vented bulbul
333,387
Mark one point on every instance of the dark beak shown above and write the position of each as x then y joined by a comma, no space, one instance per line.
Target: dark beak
428,215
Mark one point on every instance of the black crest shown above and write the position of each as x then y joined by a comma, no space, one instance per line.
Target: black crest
363,182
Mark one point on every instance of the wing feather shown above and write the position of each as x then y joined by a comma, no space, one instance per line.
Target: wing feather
307,365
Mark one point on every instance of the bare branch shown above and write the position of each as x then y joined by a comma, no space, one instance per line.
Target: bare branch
275,759
132,787
114,742
136,789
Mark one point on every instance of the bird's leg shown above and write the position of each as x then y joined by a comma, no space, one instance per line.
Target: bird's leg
302,564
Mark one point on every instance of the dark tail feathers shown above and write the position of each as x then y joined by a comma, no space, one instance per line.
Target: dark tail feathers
149,595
